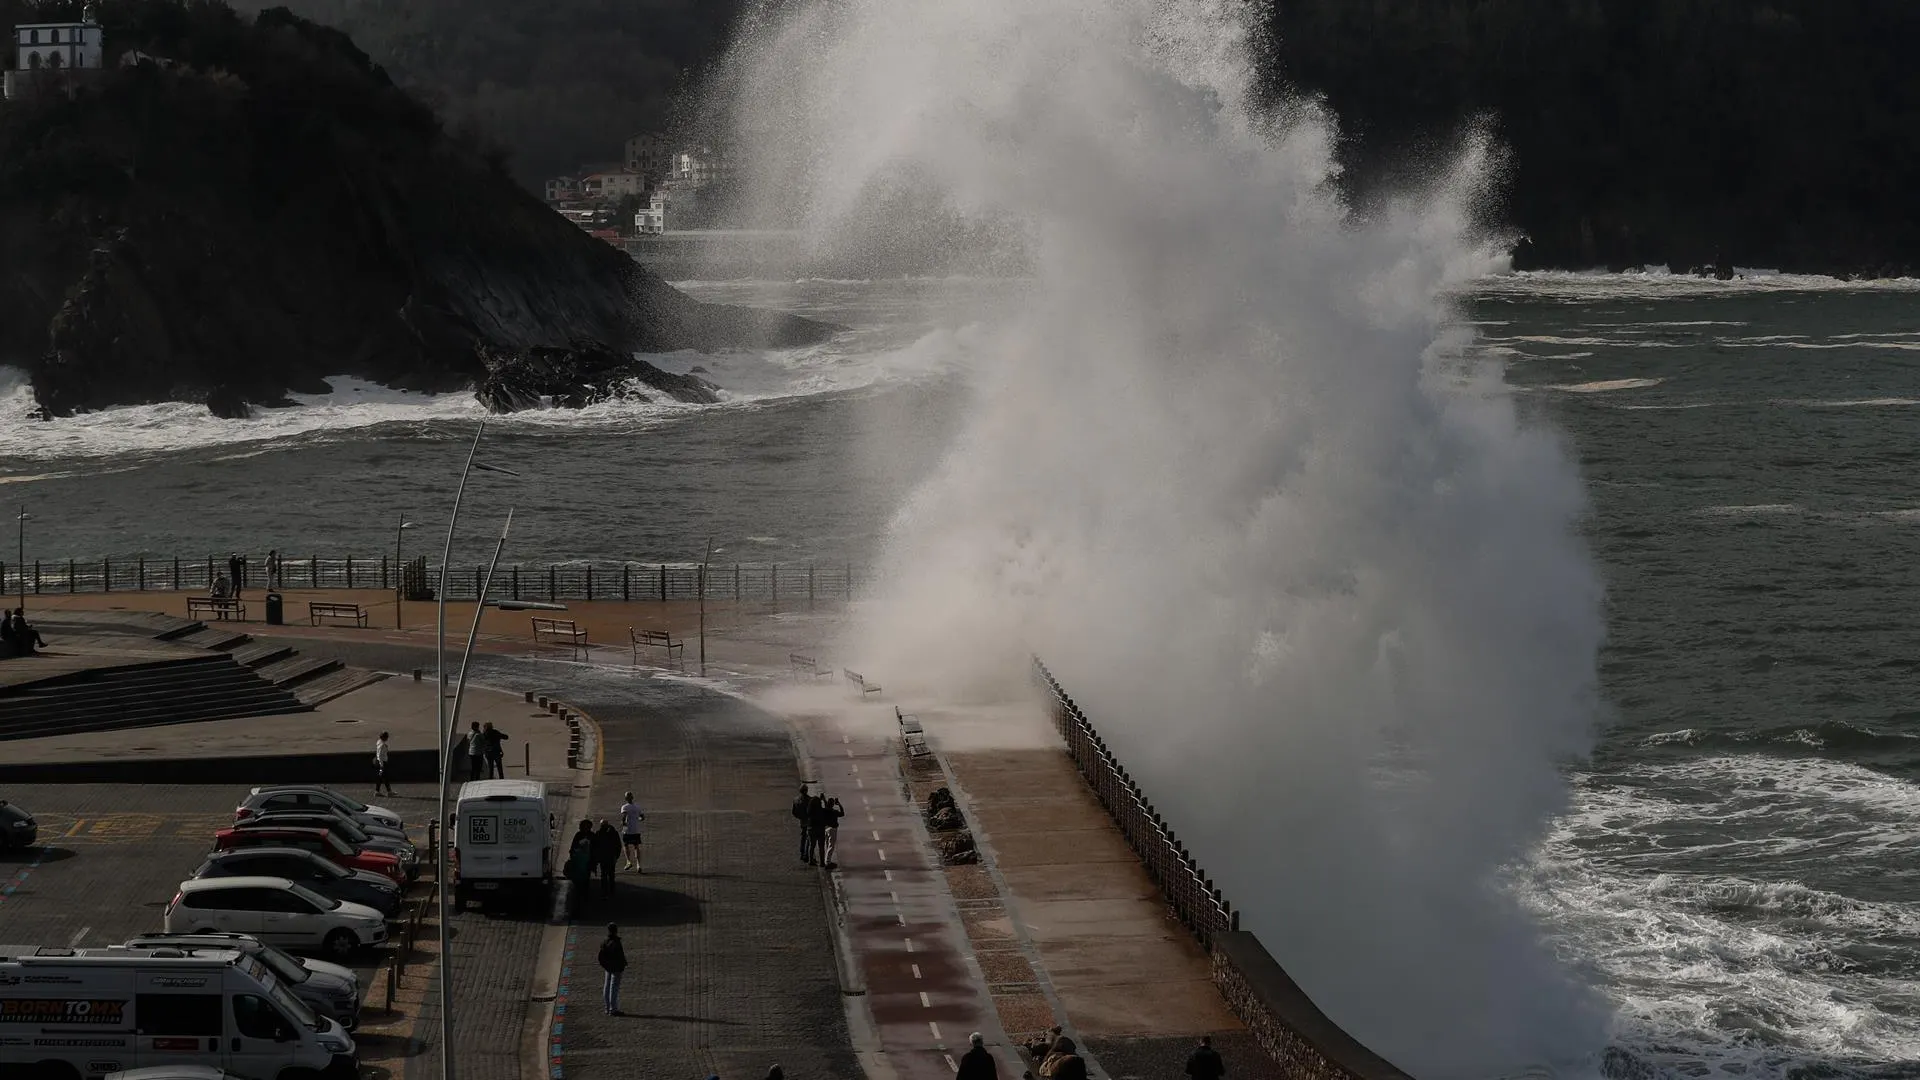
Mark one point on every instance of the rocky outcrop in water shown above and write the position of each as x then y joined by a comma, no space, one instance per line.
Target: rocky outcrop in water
267,209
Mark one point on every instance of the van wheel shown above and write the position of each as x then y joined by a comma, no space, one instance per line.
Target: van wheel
340,944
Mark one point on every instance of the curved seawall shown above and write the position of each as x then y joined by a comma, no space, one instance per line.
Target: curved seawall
1283,1019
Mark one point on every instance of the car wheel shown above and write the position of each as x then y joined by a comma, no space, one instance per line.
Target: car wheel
339,944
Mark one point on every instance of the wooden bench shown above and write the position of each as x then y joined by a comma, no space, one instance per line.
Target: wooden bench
658,639
317,611
559,631
220,607
860,683
912,735
806,665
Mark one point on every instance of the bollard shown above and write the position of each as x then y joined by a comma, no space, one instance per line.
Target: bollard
553,706
390,976
416,674
526,750
542,699
529,697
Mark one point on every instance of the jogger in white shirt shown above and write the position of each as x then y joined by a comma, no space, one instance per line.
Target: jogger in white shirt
630,819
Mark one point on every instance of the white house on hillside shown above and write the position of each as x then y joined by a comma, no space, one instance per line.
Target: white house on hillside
53,47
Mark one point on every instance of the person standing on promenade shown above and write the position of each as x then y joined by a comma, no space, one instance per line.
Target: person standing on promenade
273,569
630,818
977,1063
476,751
380,765
493,743
613,961
803,813
1204,1063
606,852
580,863
830,814
237,571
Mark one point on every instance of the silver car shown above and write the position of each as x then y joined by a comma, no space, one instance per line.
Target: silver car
313,797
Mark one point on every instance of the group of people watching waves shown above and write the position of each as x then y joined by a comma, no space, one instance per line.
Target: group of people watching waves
17,635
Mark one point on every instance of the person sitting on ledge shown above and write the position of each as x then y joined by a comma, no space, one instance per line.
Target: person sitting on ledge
25,637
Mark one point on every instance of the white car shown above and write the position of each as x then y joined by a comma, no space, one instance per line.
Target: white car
276,911
311,797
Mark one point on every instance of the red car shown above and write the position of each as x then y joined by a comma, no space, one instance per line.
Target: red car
319,841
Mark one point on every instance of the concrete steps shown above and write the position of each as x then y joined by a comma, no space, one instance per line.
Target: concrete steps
215,686
334,684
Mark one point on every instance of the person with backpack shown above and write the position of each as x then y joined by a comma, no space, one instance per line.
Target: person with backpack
606,853
613,961
803,813
1204,1063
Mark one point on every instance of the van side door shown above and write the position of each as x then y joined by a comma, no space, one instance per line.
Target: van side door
261,1040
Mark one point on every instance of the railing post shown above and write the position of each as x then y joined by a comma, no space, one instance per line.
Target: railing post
349,571
626,581
516,581
849,583
663,583
69,575
477,572
809,586
142,570
589,581
385,586
106,574
736,583
774,589
552,577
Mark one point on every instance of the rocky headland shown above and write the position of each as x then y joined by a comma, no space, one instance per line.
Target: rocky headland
236,208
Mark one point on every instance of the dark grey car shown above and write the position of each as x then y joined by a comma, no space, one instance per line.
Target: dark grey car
304,867
17,827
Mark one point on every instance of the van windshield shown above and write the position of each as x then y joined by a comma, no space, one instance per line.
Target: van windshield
284,967
289,1004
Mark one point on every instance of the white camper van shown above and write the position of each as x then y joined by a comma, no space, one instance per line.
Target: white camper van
79,1014
503,840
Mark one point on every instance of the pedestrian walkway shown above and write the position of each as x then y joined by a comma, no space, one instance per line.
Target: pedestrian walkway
731,962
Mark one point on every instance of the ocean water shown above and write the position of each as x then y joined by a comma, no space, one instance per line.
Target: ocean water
1737,871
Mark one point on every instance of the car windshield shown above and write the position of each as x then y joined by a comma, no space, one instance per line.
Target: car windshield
349,802
314,898
289,970
338,845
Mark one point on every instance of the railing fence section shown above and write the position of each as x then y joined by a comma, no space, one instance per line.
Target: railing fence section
1189,892
781,585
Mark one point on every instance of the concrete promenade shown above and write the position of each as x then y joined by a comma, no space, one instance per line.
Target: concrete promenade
733,969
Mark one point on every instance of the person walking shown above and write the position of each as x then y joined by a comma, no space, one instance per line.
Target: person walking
613,961
1204,1063
606,852
273,568
830,814
580,863
803,813
493,743
977,1063
380,765
476,752
630,818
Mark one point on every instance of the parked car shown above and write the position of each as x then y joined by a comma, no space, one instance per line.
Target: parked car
262,800
328,989
331,817
319,841
378,839
276,911
376,891
17,827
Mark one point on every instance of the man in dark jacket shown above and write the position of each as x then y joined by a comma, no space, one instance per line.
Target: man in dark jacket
613,961
829,824
580,863
1204,1063
803,815
606,854
493,745
977,1063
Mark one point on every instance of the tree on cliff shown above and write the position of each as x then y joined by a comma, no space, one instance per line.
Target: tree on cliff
1760,132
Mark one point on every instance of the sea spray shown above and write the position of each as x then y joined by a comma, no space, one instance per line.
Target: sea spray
1231,465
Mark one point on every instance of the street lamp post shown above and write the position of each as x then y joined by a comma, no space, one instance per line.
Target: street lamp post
399,574
442,723
473,633
21,566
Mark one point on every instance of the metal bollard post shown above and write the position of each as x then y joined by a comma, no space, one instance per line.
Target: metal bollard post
526,751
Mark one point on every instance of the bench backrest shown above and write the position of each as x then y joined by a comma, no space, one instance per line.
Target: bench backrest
651,637
335,609
853,676
802,660
554,626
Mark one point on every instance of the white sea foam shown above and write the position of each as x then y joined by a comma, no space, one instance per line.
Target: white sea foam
1602,386
1232,463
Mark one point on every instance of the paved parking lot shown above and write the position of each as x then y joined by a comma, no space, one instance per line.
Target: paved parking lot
112,856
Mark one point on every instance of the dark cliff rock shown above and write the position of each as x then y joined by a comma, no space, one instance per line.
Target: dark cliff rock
267,209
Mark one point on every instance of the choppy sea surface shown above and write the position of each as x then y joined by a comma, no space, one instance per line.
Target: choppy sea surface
1739,868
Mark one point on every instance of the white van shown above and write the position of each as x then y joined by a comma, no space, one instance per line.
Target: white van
79,1014
503,840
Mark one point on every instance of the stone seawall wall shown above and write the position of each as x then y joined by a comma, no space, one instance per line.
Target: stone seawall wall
1282,1018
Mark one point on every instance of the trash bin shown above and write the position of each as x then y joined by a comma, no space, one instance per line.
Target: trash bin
274,616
